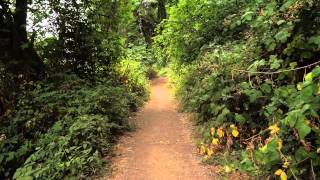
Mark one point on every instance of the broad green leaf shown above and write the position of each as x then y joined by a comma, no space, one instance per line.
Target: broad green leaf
266,88
275,62
253,94
303,128
316,72
247,16
315,40
293,117
308,77
282,36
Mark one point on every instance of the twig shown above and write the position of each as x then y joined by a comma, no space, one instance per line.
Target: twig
295,177
312,170
252,137
277,72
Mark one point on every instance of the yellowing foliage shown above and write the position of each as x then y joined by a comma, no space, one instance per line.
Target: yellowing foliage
280,144
220,132
215,141
282,174
212,131
210,152
235,133
274,129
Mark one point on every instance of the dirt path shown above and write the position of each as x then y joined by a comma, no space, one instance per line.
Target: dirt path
161,148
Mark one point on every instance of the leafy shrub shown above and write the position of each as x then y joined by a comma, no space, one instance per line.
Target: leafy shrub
269,120
62,127
141,53
134,75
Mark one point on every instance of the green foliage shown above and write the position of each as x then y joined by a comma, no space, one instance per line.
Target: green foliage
64,125
134,75
276,112
59,125
81,36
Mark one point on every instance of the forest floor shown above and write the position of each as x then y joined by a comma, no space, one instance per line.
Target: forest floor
162,146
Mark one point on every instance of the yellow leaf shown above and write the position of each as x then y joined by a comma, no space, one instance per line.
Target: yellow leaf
209,152
280,144
306,121
232,126
227,169
220,132
202,149
318,150
212,131
282,174
274,129
235,132
215,141
264,148
299,87
278,172
286,164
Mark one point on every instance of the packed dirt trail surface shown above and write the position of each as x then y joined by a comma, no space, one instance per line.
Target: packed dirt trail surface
162,146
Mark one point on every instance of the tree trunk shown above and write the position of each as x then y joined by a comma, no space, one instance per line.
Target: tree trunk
162,13
6,24
27,61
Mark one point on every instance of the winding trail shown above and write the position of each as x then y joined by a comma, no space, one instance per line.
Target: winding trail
162,146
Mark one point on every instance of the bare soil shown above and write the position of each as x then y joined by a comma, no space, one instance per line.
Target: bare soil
161,147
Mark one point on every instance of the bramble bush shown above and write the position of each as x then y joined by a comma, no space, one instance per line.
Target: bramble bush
254,103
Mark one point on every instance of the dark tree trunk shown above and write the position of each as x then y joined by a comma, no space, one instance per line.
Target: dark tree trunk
146,26
20,20
162,13
27,61
6,24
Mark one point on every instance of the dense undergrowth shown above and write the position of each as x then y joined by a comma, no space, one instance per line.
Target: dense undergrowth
236,65
66,93
64,125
